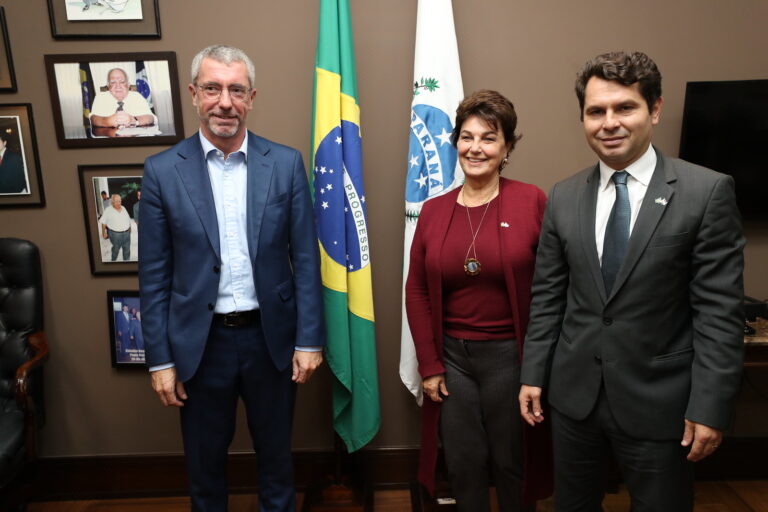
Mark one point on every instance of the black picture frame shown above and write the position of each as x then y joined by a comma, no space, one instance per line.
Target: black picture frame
78,83
126,342
63,28
122,179
7,71
18,127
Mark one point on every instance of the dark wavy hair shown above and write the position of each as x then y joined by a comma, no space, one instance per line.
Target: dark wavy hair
624,68
493,108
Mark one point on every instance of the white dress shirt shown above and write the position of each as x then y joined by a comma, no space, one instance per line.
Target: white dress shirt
640,173
116,220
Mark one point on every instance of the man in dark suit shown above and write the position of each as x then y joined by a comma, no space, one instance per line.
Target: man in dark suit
230,284
13,179
123,328
636,321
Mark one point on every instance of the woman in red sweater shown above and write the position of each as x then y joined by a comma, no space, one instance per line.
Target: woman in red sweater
467,299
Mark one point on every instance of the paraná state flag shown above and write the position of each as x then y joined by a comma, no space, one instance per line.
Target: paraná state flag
433,168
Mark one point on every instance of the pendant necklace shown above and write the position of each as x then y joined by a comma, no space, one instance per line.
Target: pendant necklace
472,266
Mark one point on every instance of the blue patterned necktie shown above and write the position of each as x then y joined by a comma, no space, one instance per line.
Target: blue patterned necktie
616,232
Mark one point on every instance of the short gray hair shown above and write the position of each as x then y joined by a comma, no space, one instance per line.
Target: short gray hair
226,55
125,74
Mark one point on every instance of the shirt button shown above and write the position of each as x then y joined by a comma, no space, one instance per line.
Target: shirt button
607,321
216,269
598,359
210,307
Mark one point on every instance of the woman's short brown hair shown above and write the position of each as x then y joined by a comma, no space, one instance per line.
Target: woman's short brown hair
493,108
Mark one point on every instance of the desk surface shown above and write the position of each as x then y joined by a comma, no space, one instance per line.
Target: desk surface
756,353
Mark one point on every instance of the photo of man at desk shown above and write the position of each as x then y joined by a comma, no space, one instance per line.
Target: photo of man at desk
119,107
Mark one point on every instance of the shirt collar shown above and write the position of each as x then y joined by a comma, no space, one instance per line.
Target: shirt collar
641,170
208,146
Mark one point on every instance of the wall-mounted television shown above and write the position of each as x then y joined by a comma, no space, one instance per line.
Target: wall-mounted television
725,128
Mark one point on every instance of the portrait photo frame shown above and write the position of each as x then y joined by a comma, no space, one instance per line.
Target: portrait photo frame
104,20
21,182
115,99
110,255
7,72
126,341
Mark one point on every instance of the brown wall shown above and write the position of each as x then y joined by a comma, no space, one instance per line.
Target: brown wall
529,51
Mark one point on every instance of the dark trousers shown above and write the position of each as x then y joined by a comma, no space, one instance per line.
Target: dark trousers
120,240
480,423
656,473
235,364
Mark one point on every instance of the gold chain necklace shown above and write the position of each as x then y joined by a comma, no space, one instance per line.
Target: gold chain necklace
472,266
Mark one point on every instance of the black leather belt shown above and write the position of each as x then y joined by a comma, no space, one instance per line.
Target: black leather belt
238,318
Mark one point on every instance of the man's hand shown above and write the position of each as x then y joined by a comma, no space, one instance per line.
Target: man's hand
305,364
530,405
170,391
434,386
122,118
705,440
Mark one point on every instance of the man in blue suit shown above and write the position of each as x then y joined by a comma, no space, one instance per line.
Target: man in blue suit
230,284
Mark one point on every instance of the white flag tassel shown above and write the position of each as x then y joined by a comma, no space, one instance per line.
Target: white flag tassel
432,165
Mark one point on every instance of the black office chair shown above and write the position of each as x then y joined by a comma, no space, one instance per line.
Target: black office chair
23,349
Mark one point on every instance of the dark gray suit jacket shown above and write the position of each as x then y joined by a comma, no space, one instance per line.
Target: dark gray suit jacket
668,341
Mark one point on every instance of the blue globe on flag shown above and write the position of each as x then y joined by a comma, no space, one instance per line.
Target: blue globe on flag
339,206
431,157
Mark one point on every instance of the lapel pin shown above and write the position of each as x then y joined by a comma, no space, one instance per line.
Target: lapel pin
504,224
661,200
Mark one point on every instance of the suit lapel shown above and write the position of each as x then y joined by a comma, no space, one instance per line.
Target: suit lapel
194,175
587,207
647,218
260,169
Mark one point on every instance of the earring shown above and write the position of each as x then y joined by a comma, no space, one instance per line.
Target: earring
504,163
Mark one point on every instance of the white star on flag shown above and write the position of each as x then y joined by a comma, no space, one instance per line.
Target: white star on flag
325,205
444,137
329,186
338,140
414,160
322,191
421,180
322,170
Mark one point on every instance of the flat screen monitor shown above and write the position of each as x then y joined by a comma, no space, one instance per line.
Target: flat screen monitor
725,128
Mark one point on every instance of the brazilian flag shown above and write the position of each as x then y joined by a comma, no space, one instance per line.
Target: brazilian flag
340,212
87,91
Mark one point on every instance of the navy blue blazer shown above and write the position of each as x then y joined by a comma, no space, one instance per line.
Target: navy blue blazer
179,256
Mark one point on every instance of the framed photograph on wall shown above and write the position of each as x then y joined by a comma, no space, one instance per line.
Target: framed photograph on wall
115,99
99,19
21,183
126,342
111,197
7,73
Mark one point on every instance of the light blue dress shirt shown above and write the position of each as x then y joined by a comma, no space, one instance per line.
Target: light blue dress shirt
229,183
